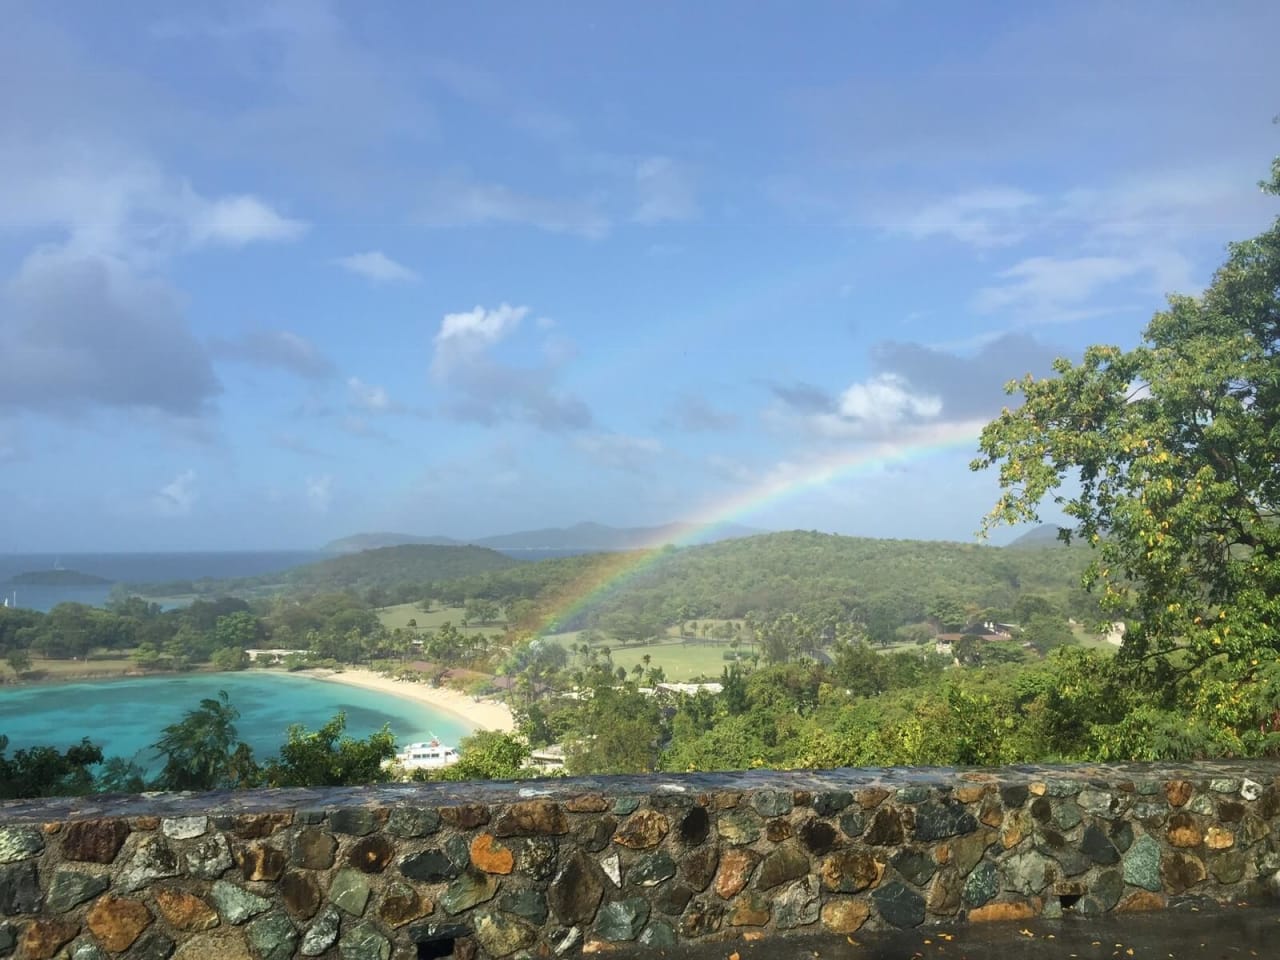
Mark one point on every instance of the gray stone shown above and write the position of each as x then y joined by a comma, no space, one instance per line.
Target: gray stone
471,888
1142,864
9,939
1202,804
313,849
658,934
19,889
19,843
771,803
934,821
411,822
83,950
154,945
1014,795
1068,854
698,867
210,858
913,794
672,898
363,941
356,821
568,941
1122,835
1066,815
530,904
70,887
576,890
622,920
739,827
612,867
235,904
981,885
1150,810
831,802
458,850
1097,846
786,862
1100,803
184,828
797,905
915,866
322,933
624,806
153,860
853,824
1224,785
1028,873
501,935
537,857
350,891
1250,790
653,869
900,905
1107,888
429,866
1228,867
1061,788
273,936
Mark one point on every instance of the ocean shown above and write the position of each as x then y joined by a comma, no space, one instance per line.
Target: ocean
162,567
125,716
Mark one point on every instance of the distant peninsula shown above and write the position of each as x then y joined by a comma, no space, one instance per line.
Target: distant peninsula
58,578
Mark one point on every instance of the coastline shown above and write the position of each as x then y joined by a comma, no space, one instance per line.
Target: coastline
477,714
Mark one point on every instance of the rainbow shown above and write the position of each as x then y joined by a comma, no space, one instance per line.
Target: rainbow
783,482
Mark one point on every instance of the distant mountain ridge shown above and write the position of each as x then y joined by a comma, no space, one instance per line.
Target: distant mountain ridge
580,536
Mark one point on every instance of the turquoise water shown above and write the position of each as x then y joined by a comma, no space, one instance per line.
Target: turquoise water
125,716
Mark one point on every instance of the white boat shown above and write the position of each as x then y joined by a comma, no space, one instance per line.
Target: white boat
427,755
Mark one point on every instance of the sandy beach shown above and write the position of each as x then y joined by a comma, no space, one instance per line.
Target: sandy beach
480,714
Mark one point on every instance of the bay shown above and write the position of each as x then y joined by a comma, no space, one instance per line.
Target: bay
125,716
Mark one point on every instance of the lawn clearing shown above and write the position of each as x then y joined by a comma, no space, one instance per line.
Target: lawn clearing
400,615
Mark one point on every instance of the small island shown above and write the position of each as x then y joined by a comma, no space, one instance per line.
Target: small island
58,578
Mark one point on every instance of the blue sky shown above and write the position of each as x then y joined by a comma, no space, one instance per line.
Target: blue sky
272,273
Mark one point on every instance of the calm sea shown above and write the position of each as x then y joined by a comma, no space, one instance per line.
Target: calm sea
125,716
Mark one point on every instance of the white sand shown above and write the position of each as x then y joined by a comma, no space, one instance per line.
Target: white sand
478,714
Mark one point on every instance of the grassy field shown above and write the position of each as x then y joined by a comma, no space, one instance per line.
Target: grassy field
402,613
679,661
73,669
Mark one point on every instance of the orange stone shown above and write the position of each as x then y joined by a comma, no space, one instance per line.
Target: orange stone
1015,910
185,911
1184,831
970,793
117,922
753,935
1013,831
845,916
489,855
146,823
50,828
735,870
587,803
598,946
1178,792
992,814
871,797
1038,788
42,938
751,911
1141,901
1219,838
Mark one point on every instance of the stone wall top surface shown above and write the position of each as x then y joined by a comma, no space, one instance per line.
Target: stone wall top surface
325,799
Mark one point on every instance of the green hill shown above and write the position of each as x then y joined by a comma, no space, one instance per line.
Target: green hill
407,568
58,578
884,583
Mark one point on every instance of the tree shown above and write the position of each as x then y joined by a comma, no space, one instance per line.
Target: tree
19,660
46,771
488,755
326,758
202,751
1166,458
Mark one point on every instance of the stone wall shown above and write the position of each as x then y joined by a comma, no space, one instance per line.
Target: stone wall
559,867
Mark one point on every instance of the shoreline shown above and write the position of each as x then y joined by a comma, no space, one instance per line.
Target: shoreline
477,714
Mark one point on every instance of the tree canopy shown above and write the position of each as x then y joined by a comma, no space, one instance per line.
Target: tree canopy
1166,458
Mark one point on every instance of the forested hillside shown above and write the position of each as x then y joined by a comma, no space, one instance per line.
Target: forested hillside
401,572
881,583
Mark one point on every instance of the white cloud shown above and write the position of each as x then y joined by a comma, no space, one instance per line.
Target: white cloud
992,217
886,398
319,492
1048,286
664,191
177,497
483,389
279,349
368,396
377,266
459,203
466,334
239,220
